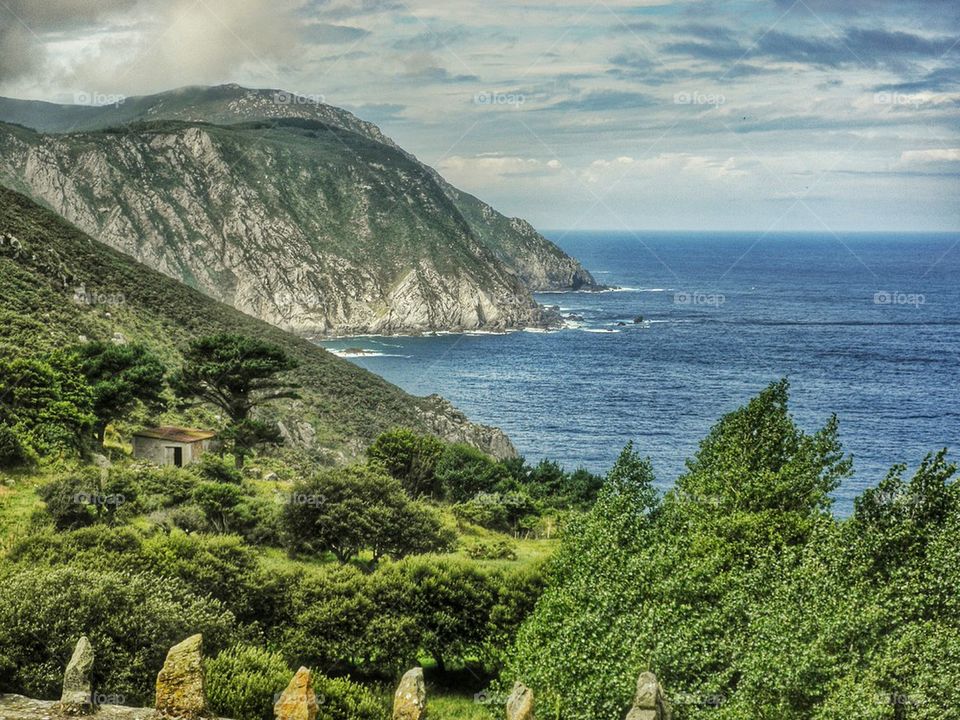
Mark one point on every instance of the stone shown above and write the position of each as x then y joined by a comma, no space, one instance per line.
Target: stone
77,696
520,703
298,701
649,701
180,688
410,700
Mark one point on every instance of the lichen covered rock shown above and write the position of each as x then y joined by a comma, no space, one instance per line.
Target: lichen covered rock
410,700
520,703
298,701
77,696
180,685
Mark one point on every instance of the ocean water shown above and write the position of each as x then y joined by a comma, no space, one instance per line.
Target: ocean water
866,326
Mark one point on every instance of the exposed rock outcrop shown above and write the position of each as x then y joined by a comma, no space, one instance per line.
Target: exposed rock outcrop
298,701
180,683
447,422
316,223
520,703
410,700
649,702
77,697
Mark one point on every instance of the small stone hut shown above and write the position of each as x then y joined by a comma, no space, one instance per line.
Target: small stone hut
175,446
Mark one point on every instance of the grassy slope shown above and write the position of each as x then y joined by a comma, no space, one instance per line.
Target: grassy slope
345,405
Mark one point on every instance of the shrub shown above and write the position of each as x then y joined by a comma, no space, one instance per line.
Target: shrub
463,471
243,681
216,469
131,618
12,452
410,458
497,550
341,699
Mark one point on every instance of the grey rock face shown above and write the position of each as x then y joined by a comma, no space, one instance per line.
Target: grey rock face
77,697
318,237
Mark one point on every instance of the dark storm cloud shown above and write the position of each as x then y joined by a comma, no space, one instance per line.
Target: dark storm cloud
870,48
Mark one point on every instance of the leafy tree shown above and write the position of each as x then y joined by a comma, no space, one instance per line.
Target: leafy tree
410,458
223,505
236,374
463,471
349,510
45,406
119,376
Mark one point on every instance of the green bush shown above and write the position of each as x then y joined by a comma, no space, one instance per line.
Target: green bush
242,682
463,471
131,618
497,550
341,699
12,452
410,458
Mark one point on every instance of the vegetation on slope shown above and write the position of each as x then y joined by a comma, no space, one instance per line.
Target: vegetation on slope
58,286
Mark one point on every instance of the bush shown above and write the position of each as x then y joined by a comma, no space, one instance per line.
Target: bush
463,471
410,458
341,699
497,550
242,682
216,469
131,618
360,508
12,452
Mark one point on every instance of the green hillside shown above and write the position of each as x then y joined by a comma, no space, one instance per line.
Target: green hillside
44,261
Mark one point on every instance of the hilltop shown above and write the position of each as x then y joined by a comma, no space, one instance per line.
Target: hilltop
293,211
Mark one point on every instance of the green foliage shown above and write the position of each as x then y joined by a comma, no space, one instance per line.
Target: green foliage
243,681
131,618
236,374
498,550
120,375
80,498
745,596
217,469
463,471
410,458
45,406
222,505
341,699
360,508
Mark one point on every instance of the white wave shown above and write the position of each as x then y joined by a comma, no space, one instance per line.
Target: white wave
348,354
599,330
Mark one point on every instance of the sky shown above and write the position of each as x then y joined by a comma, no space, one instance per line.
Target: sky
820,115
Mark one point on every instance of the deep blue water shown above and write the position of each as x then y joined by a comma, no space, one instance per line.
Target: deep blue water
866,326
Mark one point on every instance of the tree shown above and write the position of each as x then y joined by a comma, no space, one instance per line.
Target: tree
45,406
463,471
348,510
119,376
236,374
410,458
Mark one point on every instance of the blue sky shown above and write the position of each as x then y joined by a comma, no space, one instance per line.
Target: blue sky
762,114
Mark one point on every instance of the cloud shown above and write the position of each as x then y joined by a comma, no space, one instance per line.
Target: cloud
605,100
326,34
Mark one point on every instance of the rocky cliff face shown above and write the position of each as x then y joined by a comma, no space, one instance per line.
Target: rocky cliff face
306,217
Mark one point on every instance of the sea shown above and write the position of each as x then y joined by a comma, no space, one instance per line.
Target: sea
865,325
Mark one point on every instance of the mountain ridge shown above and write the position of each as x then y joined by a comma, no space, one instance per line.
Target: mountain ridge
343,233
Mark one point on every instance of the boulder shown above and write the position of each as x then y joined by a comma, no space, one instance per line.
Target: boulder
410,700
77,697
649,702
298,701
180,690
520,703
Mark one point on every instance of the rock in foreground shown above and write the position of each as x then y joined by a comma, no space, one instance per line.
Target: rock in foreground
180,688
